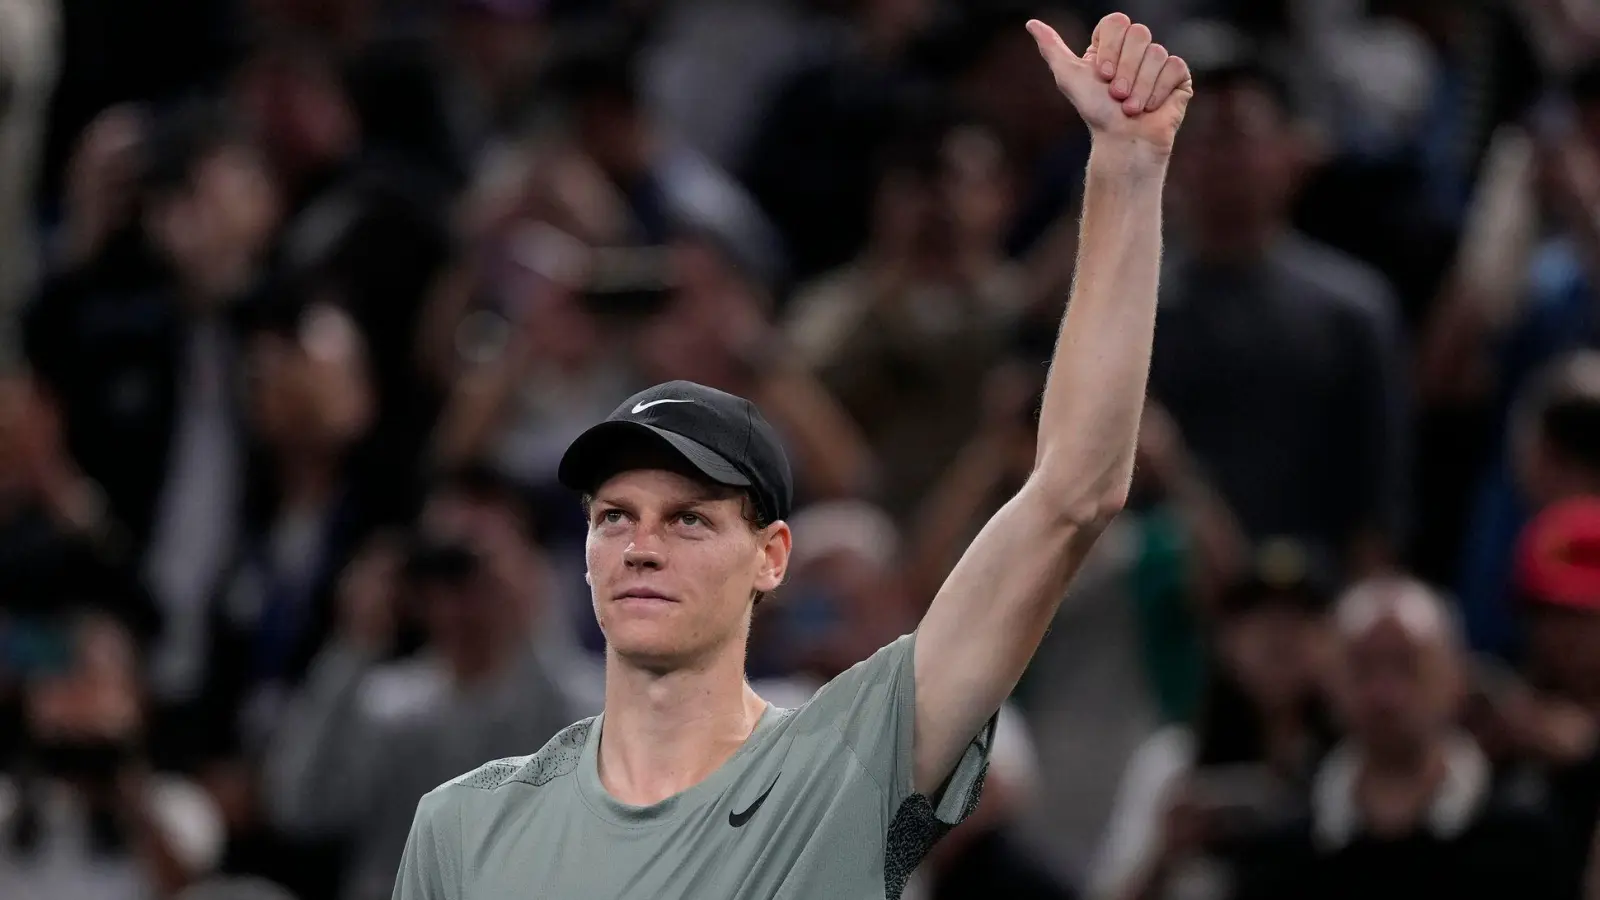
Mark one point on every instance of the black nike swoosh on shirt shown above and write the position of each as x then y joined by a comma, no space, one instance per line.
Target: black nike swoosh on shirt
737,819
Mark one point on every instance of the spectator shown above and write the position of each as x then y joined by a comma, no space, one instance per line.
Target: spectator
1552,456
496,47
1554,720
366,223
1407,803
139,344
360,744
57,540
905,335
810,162
712,89
1192,796
537,361
1279,358
663,187
85,816
715,328
310,405
994,72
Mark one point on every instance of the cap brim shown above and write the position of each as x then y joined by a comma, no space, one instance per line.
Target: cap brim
612,447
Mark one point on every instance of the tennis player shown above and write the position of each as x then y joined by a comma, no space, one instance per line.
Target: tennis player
688,784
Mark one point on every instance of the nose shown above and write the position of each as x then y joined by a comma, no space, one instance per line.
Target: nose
641,555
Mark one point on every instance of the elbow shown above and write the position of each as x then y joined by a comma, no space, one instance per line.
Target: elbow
1085,506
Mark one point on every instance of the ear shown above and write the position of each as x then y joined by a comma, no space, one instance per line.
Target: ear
777,542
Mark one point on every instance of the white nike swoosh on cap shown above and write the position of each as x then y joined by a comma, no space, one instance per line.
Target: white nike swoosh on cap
641,407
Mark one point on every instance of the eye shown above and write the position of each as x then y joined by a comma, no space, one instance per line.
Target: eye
611,516
690,519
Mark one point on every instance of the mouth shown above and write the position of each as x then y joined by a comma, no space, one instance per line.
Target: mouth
644,596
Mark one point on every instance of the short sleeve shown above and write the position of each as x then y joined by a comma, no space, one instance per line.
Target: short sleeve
873,705
431,866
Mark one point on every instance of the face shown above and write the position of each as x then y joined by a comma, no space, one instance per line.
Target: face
1234,166
312,391
1273,652
467,620
224,217
673,566
977,188
1396,689
1564,650
96,700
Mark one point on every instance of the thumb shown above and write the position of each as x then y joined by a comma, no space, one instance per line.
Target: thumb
1054,50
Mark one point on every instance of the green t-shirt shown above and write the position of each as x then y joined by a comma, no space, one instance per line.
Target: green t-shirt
818,803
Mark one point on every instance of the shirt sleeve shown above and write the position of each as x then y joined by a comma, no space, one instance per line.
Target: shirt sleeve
431,866
873,705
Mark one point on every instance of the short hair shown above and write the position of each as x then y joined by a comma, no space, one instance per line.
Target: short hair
598,66
183,139
481,482
1222,57
1562,406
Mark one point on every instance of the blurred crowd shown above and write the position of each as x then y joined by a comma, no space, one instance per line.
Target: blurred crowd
301,301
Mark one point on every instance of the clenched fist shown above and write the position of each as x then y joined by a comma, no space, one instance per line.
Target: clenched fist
1124,85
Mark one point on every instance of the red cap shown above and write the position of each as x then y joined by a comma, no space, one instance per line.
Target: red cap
1558,556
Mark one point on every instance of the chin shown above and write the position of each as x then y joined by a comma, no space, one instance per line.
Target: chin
653,641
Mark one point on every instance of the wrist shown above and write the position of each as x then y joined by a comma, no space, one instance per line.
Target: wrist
1128,158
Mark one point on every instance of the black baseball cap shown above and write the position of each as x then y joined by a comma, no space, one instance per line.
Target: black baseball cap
716,435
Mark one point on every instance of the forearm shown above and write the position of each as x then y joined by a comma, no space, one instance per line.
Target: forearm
1221,548
949,514
1089,421
828,445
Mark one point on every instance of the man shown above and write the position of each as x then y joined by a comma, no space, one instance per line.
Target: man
1280,358
1407,806
141,347
483,685
690,785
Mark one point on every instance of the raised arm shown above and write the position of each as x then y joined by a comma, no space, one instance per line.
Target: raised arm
988,618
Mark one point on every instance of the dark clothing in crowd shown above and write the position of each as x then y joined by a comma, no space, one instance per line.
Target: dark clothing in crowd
1285,378
1475,840
110,341
994,864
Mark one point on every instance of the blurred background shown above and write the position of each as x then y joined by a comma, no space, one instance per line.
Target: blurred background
301,300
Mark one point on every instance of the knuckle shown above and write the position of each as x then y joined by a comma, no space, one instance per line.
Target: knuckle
1157,50
1117,18
1139,31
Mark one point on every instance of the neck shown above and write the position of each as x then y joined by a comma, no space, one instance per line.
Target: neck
1396,787
665,732
1400,763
